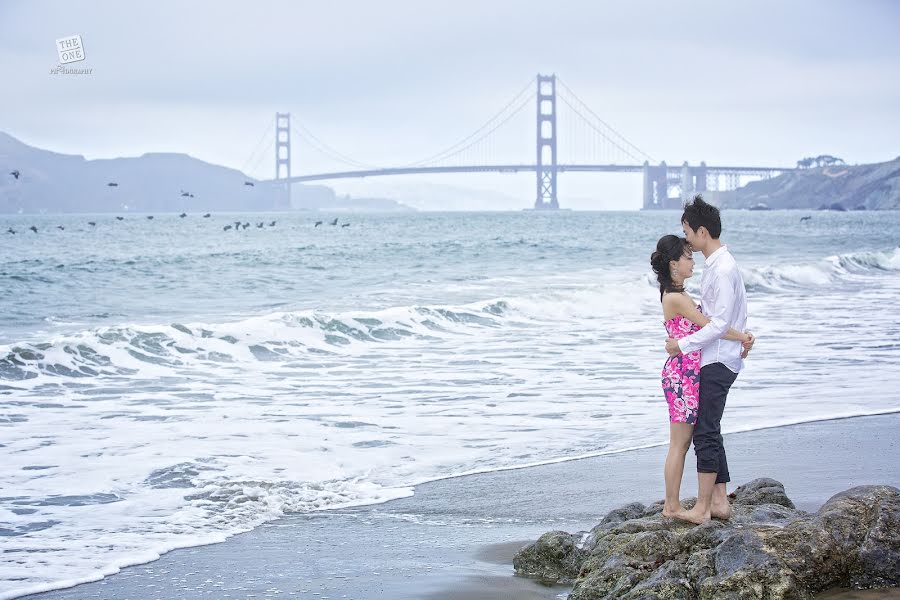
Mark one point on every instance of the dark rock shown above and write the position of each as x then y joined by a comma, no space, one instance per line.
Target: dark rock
707,535
625,513
867,520
556,557
669,581
767,550
741,551
762,491
765,513
653,509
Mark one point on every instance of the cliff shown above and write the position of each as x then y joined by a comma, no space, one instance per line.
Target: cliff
870,187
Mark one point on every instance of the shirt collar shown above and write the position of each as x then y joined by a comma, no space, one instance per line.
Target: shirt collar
715,255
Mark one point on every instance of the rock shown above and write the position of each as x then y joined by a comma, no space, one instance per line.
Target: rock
654,509
867,521
555,557
625,513
669,581
742,550
761,491
769,549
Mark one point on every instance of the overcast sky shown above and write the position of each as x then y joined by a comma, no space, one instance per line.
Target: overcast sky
387,83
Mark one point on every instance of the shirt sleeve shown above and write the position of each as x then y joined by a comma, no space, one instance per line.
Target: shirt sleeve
720,316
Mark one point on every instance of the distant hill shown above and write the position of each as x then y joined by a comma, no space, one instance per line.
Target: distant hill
63,183
872,187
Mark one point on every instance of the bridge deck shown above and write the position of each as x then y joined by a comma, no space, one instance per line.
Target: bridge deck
514,169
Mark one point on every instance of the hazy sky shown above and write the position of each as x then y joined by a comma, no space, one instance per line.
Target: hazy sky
392,82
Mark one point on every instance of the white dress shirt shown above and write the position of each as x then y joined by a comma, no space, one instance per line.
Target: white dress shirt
724,300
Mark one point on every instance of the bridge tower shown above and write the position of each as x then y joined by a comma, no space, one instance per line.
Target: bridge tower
656,186
687,182
546,143
693,180
282,159
700,184
648,187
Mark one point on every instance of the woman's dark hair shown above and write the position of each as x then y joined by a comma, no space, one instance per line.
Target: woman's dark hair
699,213
668,248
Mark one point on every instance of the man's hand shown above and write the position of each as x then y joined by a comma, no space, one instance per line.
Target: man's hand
672,347
748,345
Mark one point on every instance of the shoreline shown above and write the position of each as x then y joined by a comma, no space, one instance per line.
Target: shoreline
590,455
453,536
113,571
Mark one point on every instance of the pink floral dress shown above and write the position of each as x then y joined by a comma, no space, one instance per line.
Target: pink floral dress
681,375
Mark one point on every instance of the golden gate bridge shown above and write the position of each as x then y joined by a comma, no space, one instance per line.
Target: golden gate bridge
562,121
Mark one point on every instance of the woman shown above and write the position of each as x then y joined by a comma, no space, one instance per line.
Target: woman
673,263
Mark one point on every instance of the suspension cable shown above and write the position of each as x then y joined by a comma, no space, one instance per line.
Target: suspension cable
454,149
601,121
324,148
598,130
256,149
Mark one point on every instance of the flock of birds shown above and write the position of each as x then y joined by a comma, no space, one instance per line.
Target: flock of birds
237,226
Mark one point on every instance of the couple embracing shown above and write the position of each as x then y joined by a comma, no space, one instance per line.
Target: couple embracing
707,345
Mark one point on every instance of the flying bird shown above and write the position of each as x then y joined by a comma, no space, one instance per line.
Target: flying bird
226,228
260,225
120,218
91,223
334,222
250,183
11,230
150,217
112,184
318,223
246,225
33,228
184,194
206,216
60,227
272,224
183,215
345,225
15,174
806,218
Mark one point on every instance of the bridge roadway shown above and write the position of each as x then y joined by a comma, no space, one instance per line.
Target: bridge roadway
512,169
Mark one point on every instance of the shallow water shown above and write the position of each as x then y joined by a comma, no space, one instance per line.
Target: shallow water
166,383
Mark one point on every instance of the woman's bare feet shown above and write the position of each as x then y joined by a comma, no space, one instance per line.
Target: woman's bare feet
692,516
670,511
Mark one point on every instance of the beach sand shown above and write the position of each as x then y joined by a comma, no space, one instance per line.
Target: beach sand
455,538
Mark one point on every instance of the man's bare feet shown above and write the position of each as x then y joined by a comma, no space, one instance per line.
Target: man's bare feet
692,516
720,510
724,515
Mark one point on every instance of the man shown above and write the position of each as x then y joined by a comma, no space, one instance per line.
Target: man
723,299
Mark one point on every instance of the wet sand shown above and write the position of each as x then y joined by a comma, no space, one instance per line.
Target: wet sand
455,538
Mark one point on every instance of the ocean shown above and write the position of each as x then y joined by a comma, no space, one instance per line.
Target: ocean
167,383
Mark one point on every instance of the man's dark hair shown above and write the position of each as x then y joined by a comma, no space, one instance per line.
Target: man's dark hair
698,212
